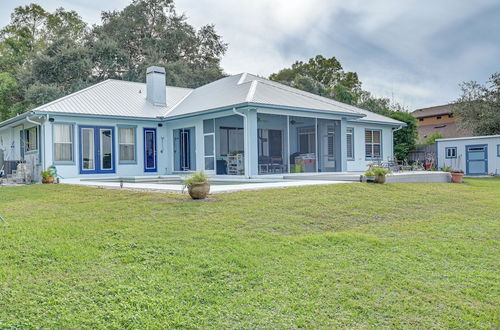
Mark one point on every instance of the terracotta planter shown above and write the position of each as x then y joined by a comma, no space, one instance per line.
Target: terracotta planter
380,179
48,180
456,177
199,190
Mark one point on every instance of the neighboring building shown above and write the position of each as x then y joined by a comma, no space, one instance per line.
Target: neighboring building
238,125
438,119
477,155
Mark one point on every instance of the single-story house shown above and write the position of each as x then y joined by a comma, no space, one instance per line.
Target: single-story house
239,125
476,155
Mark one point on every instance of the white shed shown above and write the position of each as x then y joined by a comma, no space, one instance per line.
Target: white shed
476,155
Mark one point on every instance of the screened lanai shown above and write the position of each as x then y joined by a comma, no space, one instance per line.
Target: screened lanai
290,144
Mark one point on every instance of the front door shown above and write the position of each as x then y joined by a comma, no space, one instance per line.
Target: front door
477,159
150,157
97,150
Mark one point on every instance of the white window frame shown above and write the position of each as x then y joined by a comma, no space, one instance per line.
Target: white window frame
72,143
371,145
134,144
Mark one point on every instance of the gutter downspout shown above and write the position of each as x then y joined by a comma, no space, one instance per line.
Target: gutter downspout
246,143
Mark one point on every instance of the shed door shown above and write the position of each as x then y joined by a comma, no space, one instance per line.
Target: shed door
477,159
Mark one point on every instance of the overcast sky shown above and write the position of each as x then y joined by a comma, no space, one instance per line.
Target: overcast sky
415,52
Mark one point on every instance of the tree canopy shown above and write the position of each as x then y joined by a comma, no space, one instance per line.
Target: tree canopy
478,108
46,55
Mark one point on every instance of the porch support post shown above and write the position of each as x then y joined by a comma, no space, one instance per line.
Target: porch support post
199,145
252,154
343,145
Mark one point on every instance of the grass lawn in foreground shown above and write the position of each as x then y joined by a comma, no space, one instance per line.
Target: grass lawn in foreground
356,255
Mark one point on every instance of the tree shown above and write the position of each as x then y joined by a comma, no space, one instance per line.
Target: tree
432,138
478,108
322,76
45,55
405,138
151,32
8,94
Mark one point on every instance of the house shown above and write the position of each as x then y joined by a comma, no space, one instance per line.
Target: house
438,119
239,125
477,155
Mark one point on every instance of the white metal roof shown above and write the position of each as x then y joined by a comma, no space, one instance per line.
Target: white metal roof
128,99
114,98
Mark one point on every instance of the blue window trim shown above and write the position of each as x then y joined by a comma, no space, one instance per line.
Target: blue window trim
467,158
353,144
498,150
73,162
97,145
446,152
381,144
127,162
155,169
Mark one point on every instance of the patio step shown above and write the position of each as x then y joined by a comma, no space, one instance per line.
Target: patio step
325,177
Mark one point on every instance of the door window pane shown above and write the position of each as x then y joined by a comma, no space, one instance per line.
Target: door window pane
106,149
209,145
88,161
150,150
209,163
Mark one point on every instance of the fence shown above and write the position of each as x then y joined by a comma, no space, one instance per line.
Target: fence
423,153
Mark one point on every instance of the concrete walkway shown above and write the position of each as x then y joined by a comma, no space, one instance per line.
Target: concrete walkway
214,189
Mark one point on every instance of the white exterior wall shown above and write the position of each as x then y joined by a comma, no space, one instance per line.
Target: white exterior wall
133,169
360,163
9,142
459,163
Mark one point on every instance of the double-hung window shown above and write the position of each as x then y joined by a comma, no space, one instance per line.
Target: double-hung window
451,152
63,142
350,143
373,144
126,144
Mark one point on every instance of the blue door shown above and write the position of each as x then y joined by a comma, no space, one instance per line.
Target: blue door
97,153
150,158
477,159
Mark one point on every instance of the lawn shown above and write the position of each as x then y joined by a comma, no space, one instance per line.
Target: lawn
355,255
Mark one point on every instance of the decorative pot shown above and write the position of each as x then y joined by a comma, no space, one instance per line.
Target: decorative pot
456,177
48,180
380,179
370,178
199,190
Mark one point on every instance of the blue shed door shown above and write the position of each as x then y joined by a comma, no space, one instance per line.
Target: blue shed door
150,157
477,159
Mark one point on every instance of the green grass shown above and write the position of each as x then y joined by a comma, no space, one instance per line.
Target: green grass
355,255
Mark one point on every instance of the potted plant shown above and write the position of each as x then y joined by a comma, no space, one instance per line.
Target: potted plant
198,185
456,176
380,173
369,176
47,176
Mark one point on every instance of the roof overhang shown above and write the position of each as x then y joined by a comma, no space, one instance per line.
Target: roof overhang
14,120
268,106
